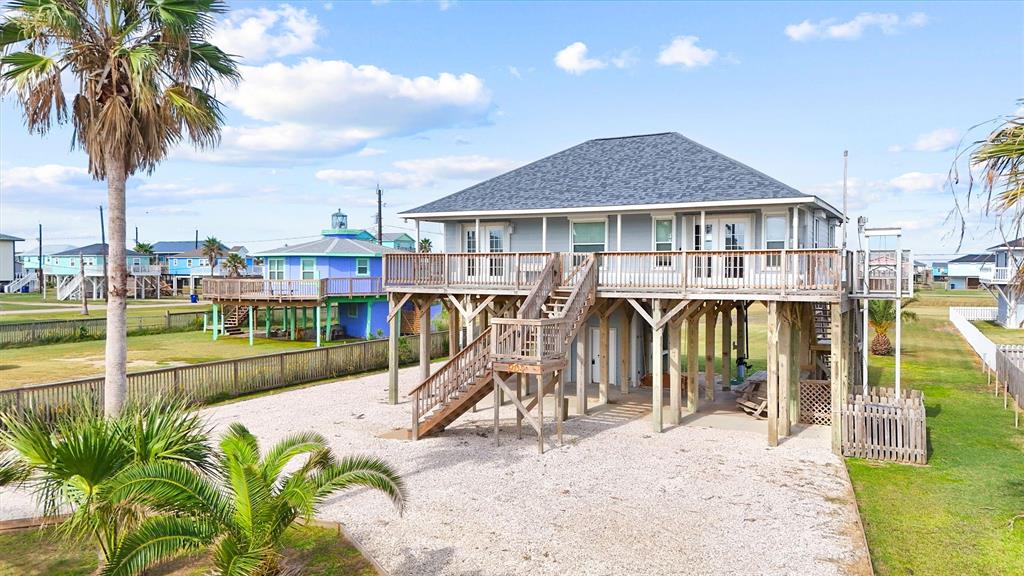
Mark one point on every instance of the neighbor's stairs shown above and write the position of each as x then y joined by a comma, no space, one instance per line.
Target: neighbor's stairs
30,280
822,345
236,319
70,288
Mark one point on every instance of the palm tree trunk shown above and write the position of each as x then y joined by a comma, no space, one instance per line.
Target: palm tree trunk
116,384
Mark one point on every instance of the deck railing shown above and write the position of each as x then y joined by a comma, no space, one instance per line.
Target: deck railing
751,271
882,272
284,290
504,270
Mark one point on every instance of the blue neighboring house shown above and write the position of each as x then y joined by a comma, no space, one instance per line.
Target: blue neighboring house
192,265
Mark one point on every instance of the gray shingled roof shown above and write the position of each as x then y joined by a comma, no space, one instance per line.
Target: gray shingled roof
665,168
94,250
331,246
974,258
1018,243
9,237
173,246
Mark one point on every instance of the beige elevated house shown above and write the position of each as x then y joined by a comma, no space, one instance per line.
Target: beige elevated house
600,263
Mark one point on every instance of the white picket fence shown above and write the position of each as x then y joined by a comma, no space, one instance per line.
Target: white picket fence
961,317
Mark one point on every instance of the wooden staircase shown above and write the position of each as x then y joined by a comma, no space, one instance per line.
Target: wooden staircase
526,343
822,344
236,320
455,388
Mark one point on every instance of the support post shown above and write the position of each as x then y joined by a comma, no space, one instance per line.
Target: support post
453,331
330,322
675,378
727,346
692,366
603,360
216,324
292,317
318,328
709,351
393,329
582,368
785,356
838,343
267,313
520,384
425,340
773,374
252,323
624,352
657,368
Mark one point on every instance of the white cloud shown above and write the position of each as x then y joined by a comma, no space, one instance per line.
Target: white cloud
937,140
830,28
573,59
895,148
683,51
445,5
48,176
368,151
514,72
918,182
260,34
419,173
318,108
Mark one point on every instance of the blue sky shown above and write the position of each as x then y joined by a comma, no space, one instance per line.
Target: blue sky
427,98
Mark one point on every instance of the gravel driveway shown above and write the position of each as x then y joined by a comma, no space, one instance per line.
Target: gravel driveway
616,499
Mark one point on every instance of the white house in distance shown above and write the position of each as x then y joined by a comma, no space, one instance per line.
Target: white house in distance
1007,259
968,270
7,251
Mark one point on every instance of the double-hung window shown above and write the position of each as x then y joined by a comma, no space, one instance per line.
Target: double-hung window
588,236
664,236
362,266
774,236
472,248
308,268
275,268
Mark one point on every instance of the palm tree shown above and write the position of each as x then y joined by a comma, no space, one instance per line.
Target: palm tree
212,250
244,507
144,74
882,318
70,464
425,245
235,264
143,248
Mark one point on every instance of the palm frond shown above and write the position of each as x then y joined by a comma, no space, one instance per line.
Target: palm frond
365,471
302,443
170,487
156,539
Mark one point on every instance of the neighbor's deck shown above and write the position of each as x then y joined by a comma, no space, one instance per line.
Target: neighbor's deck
290,291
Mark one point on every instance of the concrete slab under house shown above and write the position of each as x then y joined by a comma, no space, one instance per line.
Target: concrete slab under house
602,265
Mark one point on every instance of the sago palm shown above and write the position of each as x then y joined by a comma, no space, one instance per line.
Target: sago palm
235,264
212,250
242,510
144,75
882,318
71,464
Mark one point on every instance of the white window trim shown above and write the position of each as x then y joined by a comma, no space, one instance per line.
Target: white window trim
654,230
764,227
302,268
603,219
506,239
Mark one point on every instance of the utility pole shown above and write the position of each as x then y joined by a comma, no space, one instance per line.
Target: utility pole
380,220
42,276
103,229
136,235
196,247
846,161
81,286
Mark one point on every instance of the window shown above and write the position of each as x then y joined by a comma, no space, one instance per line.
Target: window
820,233
362,266
495,244
188,263
136,261
664,234
275,268
735,239
471,247
308,268
588,236
774,236
353,311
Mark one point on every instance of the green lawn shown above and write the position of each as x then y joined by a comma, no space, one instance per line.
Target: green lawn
72,313
950,517
998,334
55,362
41,552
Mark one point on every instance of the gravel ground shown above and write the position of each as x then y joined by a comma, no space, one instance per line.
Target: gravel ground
615,499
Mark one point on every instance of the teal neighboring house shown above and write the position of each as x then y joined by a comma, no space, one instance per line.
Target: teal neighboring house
85,268
399,241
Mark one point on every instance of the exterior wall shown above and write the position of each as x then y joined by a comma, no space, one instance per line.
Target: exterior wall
326,266
1010,313
6,261
525,234
958,282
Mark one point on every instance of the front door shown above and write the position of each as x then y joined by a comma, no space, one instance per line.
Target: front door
722,233
492,241
595,351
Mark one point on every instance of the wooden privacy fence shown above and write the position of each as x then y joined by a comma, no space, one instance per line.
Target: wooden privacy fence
225,378
1010,377
883,426
21,333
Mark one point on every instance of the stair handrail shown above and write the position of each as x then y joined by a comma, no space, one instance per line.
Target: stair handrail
471,361
587,284
546,282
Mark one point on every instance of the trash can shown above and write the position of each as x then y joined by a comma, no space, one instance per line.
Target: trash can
193,298
24,289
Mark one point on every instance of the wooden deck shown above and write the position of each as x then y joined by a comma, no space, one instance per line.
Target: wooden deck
755,274
262,290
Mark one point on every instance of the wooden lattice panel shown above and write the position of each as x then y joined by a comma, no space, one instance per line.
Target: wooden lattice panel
816,402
